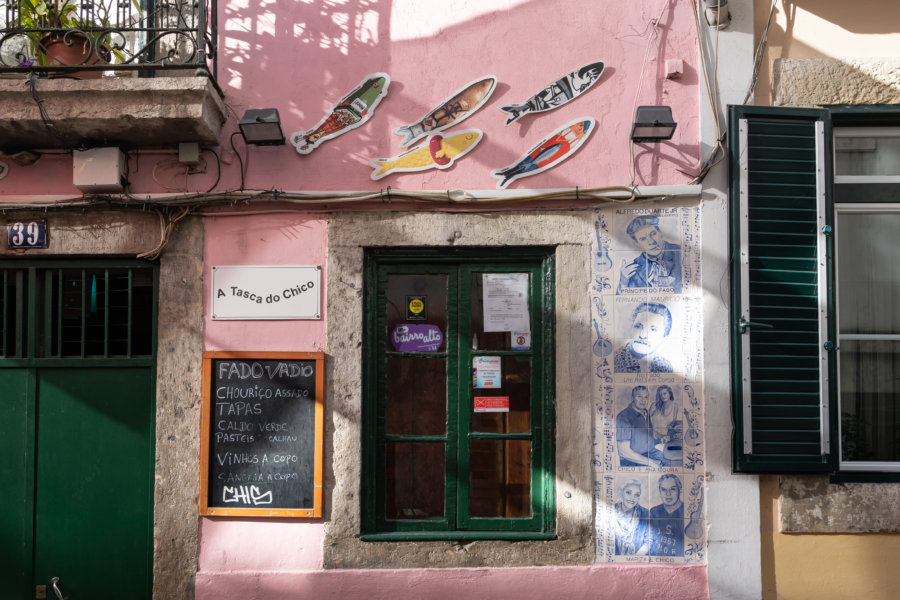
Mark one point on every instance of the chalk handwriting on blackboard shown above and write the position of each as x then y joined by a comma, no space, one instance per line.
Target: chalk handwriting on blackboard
262,432
257,370
246,494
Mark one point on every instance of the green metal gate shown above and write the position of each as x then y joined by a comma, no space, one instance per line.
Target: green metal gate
77,380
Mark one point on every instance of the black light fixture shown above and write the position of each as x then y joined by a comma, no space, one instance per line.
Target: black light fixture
262,127
653,124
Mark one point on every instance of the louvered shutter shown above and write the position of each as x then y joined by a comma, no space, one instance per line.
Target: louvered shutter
780,244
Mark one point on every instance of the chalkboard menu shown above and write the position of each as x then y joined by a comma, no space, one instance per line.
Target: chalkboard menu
261,451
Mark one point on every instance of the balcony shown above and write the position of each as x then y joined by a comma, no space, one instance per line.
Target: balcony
133,73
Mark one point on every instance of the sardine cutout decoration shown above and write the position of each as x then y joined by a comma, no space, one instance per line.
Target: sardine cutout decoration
459,106
439,152
350,112
551,151
563,90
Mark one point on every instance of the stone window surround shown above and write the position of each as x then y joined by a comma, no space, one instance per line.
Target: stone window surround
348,234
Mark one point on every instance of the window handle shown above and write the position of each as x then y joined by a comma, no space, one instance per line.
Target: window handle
743,324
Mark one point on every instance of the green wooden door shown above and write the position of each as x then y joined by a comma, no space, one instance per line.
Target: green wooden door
93,492
77,438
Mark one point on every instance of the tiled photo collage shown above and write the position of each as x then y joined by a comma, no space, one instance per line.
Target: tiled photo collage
648,385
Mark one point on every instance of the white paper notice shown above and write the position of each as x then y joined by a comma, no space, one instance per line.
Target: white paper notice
506,302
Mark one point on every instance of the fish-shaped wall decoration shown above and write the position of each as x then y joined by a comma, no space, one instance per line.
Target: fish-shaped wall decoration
460,105
350,112
438,152
566,88
547,154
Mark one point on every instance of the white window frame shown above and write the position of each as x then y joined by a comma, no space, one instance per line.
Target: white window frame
860,208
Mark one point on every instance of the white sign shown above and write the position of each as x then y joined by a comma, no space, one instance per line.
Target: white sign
506,302
266,292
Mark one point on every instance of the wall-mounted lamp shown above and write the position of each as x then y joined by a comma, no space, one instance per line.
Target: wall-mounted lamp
262,127
653,124
717,14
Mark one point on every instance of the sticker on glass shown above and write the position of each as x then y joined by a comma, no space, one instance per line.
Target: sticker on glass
489,404
520,340
417,308
486,372
417,338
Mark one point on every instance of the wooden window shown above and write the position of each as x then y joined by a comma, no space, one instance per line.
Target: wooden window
448,451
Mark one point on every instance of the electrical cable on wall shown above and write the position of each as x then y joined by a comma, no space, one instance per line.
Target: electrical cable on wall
758,55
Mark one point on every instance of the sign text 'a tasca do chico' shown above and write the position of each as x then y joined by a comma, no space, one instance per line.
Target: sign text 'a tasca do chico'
266,292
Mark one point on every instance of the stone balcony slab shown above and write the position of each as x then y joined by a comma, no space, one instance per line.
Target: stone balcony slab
110,111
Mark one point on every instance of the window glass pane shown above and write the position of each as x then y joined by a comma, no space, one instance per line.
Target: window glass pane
870,413
500,416
417,313
414,480
416,396
500,478
865,155
869,273
496,340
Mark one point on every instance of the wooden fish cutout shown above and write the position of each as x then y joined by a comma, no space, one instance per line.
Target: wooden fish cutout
439,152
350,112
566,88
549,153
451,111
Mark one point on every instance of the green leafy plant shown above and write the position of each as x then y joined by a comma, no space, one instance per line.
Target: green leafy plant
44,18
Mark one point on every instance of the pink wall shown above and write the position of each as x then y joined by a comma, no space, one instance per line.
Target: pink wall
327,49
267,238
596,582
300,57
330,47
228,545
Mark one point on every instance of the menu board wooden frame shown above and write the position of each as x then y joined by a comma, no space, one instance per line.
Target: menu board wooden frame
207,413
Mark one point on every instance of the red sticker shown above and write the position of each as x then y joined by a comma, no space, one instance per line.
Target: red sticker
491,404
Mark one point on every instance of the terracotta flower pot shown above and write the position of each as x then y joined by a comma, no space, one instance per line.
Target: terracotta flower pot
74,48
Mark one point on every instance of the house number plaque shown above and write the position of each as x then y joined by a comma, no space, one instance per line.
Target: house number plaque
27,234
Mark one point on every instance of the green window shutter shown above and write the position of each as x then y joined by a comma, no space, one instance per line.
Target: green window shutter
781,218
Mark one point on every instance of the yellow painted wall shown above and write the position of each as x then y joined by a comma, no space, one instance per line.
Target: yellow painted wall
824,567
825,29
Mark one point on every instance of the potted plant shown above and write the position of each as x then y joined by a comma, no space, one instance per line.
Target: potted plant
58,34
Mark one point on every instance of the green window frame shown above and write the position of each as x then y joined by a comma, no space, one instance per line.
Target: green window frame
785,345
457,440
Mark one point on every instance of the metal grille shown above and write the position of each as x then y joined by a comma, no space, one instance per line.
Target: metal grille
73,312
117,35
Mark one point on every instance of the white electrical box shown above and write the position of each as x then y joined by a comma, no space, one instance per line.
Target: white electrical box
99,170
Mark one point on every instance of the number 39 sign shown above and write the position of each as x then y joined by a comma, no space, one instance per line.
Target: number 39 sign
27,234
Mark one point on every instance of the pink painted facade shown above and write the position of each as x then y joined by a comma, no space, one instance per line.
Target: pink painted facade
326,50
302,56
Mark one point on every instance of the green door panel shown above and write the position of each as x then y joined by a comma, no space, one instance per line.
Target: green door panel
94,483
16,468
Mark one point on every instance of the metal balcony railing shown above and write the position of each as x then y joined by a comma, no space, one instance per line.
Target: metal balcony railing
89,37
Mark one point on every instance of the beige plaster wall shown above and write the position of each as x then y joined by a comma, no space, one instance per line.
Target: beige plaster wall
571,232
824,29
836,566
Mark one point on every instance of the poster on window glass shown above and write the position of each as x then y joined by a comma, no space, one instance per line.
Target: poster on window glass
486,372
506,302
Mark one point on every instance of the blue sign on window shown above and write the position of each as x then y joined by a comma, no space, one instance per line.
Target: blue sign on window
27,234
